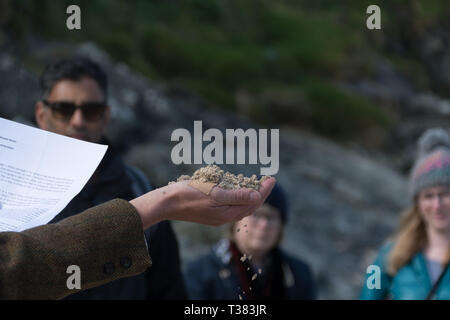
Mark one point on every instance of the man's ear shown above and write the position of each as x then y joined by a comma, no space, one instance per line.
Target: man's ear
40,114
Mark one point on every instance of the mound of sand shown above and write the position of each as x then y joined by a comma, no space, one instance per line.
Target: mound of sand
213,174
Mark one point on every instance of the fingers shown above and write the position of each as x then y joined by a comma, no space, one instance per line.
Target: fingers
234,197
243,196
264,191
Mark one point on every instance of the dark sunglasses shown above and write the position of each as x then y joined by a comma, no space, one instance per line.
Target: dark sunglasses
92,111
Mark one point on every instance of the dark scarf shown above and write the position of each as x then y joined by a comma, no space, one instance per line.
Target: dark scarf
267,285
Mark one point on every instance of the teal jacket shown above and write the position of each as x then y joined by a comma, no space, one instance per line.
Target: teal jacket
412,282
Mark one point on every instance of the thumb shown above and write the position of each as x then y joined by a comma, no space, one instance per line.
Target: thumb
266,187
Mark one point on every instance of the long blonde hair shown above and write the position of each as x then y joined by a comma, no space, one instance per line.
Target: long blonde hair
410,238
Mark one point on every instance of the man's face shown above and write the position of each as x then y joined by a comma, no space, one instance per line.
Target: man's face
77,125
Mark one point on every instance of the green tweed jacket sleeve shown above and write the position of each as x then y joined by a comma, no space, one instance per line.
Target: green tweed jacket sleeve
106,242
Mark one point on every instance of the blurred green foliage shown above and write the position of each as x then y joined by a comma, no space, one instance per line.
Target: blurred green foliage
218,47
337,112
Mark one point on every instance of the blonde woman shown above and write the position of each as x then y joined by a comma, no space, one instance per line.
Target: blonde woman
414,265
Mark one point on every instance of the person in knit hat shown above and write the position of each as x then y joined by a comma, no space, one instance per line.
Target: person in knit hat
414,264
433,162
249,264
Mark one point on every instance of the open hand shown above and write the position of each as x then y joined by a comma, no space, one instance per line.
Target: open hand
180,201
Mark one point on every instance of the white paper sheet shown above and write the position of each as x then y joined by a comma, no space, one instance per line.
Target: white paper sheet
40,173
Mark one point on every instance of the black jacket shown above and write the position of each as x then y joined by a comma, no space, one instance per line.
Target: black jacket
163,280
216,276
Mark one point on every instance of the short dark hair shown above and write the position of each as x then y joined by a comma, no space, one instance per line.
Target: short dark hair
73,68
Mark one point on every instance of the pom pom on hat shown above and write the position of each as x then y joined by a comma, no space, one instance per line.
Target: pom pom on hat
432,140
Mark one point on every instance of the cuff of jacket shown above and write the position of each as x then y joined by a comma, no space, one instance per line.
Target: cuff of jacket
104,243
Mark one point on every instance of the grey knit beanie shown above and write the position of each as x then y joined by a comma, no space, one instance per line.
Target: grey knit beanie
432,166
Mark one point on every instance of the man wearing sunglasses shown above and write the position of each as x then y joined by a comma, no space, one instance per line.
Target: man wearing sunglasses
74,104
74,100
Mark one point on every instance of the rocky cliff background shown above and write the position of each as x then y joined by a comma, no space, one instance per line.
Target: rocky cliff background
347,131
